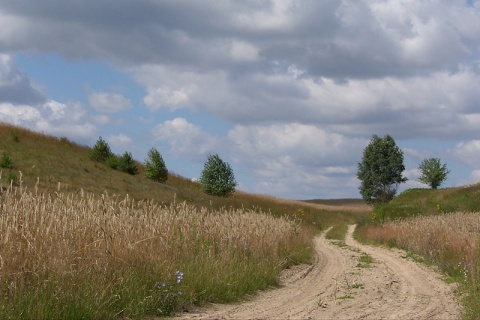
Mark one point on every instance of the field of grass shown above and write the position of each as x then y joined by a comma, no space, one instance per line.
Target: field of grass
80,240
445,234
70,256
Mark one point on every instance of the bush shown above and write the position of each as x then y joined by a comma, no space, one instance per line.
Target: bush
12,178
6,162
113,161
127,164
217,177
14,136
155,168
101,151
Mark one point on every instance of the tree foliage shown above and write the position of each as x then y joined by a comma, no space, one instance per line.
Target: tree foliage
101,151
6,162
127,164
155,168
433,172
381,170
217,177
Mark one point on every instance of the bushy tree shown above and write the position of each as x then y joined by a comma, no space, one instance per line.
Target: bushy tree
6,162
380,170
217,177
155,168
127,164
101,151
433,173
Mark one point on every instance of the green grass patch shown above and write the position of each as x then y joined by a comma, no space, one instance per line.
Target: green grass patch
365,261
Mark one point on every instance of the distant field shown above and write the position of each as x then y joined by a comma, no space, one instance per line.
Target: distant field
347,202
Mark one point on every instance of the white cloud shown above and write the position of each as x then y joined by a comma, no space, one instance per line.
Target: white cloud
51,118
244,51
120,141
18,114
108,102
468,152
186,139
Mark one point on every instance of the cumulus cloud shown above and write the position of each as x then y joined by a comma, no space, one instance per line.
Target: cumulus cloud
303,84
108,102
186,139
51,118
16,87
468,152
120,141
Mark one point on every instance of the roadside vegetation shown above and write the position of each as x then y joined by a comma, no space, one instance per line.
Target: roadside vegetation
81,240
440,227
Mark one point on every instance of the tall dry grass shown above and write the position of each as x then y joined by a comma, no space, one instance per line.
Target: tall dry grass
450,241
78,255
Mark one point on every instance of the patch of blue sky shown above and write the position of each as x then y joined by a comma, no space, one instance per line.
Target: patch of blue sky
67,80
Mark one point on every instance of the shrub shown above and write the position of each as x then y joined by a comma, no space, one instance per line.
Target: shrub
14,136
12,177
155,168
6,162
217,177
112,161
127,164
101,151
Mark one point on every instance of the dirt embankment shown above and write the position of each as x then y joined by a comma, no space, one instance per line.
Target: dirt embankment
349,281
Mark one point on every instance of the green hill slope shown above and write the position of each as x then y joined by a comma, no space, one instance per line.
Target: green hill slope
415,202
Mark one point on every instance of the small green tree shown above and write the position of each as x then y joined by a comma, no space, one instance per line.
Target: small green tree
6,162
380,170
127,164
433,173
101,151
217,177
155,168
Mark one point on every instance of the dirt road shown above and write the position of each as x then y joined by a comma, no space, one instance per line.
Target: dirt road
349,281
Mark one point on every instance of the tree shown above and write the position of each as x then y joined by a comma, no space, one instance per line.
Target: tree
217,177
433,173
127,164
380,170
101,151
155,168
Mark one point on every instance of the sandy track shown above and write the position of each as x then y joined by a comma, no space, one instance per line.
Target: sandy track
336,287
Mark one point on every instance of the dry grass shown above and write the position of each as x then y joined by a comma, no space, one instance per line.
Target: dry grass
50,237
449,241
433,236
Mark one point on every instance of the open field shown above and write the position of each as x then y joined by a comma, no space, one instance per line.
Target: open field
70,256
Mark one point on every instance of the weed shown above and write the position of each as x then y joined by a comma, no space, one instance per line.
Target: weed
357,286
365,261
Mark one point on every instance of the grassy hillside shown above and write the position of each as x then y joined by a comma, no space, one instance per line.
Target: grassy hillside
58,161
414,202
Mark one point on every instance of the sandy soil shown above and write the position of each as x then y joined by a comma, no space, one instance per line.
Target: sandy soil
338,286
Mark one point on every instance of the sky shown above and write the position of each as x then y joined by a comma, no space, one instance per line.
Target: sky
288,92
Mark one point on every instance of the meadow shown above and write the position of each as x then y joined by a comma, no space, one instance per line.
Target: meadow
87,256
